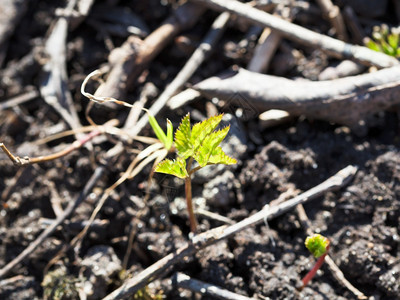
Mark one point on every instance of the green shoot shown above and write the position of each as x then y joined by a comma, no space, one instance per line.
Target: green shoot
385,40
200,144
166,139
318,245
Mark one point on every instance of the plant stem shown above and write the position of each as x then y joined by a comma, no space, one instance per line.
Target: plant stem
189,202
192,217
314,270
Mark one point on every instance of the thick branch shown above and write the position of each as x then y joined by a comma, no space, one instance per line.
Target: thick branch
344,101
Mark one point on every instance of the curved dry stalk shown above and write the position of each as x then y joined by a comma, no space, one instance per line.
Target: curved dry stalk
95,75
22,161
109,129
162,153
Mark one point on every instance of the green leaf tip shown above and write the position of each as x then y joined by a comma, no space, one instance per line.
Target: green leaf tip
183,138
317,244
173,167
166,139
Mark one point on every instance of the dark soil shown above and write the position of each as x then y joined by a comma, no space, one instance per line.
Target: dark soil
362,220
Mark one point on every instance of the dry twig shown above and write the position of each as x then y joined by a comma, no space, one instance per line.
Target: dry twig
54,84
267,44
302,35
22,161
332,13
205,289
17,100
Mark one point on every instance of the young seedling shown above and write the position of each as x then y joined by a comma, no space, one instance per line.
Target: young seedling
200,144
318,245
385,40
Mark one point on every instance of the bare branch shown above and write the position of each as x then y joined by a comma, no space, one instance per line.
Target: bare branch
302,35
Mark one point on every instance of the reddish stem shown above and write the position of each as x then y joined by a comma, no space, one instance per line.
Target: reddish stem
314,270
189,202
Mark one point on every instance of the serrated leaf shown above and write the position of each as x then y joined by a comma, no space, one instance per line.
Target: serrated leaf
219,157
173,167
210,142
183,142
201,130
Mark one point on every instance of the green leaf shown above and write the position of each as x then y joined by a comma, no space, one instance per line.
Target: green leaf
156,128
201,130
183,138
170,135
372,45
209,143
219,157
173,167
393,40
386,48
317,244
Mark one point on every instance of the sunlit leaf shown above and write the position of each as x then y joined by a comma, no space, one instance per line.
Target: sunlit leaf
219,157
317,244
201,130
209,143
183,134
156,128
173,167
170,135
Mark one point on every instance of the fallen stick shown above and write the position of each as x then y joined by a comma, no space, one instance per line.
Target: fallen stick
54,81
17,100
347,101
205,289
302,35
332,13
132,285
268,43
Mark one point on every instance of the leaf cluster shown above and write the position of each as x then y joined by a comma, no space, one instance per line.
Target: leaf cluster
317,244
200,143
385,40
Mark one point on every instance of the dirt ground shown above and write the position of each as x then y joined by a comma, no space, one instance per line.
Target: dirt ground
362,220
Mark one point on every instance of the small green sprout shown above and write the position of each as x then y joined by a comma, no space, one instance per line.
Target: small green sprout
166,139
200,144
318,245
385,40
